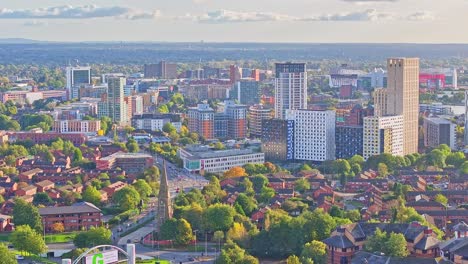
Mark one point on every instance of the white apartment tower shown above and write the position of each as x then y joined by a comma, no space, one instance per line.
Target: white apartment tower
77,76
290,88
314,134
383,134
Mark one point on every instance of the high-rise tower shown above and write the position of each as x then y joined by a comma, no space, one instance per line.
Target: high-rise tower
403,98
290,88
164,198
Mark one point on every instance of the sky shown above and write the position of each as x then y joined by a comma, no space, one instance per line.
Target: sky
315,21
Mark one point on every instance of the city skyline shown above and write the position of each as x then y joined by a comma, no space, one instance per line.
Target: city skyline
373,21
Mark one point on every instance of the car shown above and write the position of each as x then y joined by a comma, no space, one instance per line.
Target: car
19,257
191,259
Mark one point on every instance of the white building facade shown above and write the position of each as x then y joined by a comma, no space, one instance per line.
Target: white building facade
314,134
383,134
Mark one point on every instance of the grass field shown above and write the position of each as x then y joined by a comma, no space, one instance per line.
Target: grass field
50,238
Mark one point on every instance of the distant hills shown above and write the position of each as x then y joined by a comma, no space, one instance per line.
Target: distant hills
27,51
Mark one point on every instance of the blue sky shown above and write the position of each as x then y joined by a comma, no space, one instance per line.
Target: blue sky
419,21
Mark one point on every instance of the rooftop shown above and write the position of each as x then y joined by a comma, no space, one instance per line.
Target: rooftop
205,152
77,208
126,155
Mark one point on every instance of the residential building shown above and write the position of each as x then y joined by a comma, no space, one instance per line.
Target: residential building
348,141
77,217
201,120
246,92
77,139
81,126
403,98
221,124
383,135
77,76
439,131
235,73
155,122
380,102
290,88
257,113
278,139
112,103
314,134
347,240
202,159
237,120
137,104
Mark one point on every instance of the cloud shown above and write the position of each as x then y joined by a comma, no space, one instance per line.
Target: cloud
226,16
35,23
421,16
366,15
77,12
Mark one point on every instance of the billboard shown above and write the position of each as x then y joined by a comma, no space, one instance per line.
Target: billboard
104,257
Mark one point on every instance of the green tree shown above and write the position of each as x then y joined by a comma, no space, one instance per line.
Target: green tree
7,256
93,237
315,250
293,259
26,214
248,186
247,203
184,233
233,254
169,128
259,181
126,198
143,188
464,167
28,240
455,159
436,158
396,246
305,167
302,185
376,242
383,170
440,198
132,146
266,194
41,198
92,195
353,215
218,217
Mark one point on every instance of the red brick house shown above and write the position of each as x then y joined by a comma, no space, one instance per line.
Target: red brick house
45,185
114,187
28,190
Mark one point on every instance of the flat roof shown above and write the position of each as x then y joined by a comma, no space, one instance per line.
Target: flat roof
207,153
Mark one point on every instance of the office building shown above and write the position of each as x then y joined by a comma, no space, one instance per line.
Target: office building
314,134
203,159
129,162
255,75
436,109
383,134
113,102
163,70
439,131
76,77
257,113
237,120
290,88
155,122
403,98
348,141
246,92
278,139
201,120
